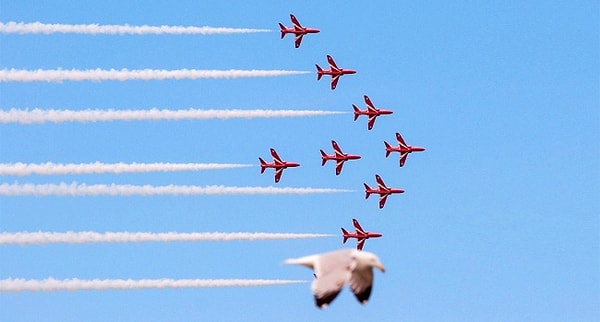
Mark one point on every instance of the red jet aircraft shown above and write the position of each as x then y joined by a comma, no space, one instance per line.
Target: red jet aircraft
402,147
297,30
361,235
277,164
334,71
339,157
382,190
371,111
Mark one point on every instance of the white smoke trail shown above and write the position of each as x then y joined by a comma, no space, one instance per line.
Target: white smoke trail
58,116
97,75
49,168
75,189
75,284
95,29
30,238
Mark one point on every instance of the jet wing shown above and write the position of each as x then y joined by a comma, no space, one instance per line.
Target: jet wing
338,166
360,243
401,140
336,148
275,156
334,81
296,24
380,182
298,40
371,121
278,172
382,199
357,226
332,64
370,105
403,157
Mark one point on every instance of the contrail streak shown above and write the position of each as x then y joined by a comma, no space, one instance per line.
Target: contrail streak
97,75
95,115
31,238
75,189
49,168
22,28
75,284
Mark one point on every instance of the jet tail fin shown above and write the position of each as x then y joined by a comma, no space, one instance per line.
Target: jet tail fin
282,27
387,149
262,165
319,72
356,112
323,157
367,189
345,234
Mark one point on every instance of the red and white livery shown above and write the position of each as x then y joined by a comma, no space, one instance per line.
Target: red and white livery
361,235
297,30
403,148
339,157
277,164
382,190
371,112
334,71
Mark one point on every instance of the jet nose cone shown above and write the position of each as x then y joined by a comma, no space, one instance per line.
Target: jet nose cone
294,164
351,71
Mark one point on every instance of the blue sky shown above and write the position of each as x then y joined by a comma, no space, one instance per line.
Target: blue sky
500,216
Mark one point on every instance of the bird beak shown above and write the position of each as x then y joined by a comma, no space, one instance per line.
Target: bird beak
381,268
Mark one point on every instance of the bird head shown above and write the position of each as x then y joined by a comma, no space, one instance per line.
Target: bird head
368,259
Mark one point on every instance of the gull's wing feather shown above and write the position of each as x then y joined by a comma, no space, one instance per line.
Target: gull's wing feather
333,271
361,283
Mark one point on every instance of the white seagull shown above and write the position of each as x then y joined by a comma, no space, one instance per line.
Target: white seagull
334,269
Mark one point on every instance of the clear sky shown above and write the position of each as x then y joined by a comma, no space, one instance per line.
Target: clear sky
499,221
